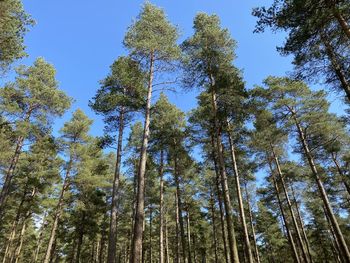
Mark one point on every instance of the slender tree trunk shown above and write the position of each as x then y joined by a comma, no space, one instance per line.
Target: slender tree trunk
239,198
215,240
301,222
177,246
161,208
306,256
341,20
289,234
13,163
140,201
219,194
337,67
150,233
9,175
252,224
167,255
57,214
180,209
189,235
80,243
18,250
112,237
329,210
227,200
102,246
341,173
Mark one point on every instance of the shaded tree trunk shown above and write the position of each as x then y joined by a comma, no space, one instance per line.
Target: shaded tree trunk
221,161
112,237
57,214
215,240
161,208
252,224
289,234
136,247
339,235
306,256
239,198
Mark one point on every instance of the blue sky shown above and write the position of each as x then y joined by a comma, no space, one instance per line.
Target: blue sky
83,38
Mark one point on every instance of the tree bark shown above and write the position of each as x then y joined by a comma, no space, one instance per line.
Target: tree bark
337,67
227,200
341,173
180,209
252,225
339,235
57,213
239,198
219,194
215,240
189,235
161,208
341,20
112,237
136,247
306,256
177,245
301,221
289,234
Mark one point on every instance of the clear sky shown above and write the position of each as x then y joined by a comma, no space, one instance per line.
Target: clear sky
83,38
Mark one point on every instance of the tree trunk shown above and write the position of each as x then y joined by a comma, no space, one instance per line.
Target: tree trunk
188,235
161,208
306,256
150,233
112,237
341,20
9,175
57,214
140,201
167,255
329,210
18,249
337,67
239,197
219,194
301,222
215,240
252,224
177,245
227,200
341,173
180,209
289,234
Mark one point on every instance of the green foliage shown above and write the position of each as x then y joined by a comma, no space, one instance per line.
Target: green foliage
14,23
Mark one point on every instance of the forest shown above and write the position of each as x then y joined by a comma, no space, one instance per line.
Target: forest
251,174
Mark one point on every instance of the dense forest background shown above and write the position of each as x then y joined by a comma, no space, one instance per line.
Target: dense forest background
253,173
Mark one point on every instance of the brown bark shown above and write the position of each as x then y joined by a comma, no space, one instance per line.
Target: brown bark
221,161
189,235
339,235
337,67
136,247
289,234
180,209
219,194
341,173
341,20
215,240
305,254
57,214
239,198
301,222
112,237
161,208
10,171
177,245
257,257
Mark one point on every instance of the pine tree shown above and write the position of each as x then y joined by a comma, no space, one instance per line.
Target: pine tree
31,101
152,40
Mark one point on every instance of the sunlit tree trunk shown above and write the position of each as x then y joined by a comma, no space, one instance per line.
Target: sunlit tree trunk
161,208
112,237
221,161
339,235
136,247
